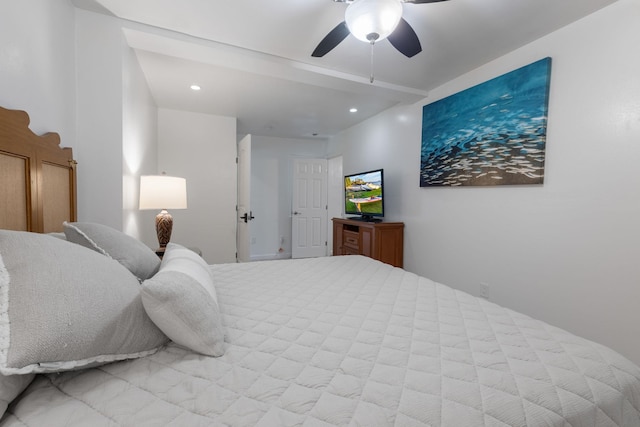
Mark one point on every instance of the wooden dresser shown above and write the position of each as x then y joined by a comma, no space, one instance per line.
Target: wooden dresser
378,240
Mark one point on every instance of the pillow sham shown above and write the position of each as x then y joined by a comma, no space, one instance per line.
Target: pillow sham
181,300
63,306
128,251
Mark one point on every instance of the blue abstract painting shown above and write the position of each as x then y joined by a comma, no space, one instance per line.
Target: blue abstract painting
490,134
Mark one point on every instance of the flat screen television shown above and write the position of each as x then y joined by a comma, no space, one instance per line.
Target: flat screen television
363,195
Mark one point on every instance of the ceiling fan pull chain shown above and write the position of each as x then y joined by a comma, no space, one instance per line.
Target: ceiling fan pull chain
371,75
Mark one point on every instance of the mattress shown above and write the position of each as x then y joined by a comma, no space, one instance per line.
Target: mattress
353,342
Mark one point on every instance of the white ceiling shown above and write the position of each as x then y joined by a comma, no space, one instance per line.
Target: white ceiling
252,58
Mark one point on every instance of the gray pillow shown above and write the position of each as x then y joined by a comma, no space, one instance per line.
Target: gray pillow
63,306
128,251
181,300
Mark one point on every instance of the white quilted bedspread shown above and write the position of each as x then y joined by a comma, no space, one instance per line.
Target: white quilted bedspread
351,341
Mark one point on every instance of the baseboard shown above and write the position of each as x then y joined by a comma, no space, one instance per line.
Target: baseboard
270,257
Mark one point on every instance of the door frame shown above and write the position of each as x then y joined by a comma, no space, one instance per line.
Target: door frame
243,206
335,196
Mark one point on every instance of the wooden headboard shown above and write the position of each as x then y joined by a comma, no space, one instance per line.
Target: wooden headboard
37,177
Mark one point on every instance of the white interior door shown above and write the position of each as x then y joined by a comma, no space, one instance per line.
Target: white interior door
244,200
309,208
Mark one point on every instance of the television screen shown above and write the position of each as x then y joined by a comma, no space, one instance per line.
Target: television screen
363,194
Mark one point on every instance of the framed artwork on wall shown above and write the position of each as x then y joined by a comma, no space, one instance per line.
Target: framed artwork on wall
493,133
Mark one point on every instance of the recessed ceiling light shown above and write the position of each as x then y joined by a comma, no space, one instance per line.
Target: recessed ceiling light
195,87
353,110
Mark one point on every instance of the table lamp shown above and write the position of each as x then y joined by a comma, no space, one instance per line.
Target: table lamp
163,192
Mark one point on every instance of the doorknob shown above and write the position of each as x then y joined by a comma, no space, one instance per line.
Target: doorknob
297,213
248,217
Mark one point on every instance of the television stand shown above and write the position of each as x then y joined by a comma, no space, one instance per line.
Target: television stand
378,240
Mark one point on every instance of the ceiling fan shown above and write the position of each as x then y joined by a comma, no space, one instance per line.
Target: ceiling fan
372,21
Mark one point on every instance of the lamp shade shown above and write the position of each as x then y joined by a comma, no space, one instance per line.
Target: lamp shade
163,192
373,20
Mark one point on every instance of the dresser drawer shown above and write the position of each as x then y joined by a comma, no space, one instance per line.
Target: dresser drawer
351,240
350,251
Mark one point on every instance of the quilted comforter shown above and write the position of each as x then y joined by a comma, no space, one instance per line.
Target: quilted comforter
350,341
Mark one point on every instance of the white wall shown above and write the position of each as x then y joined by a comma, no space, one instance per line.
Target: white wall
139,148
115,114
271,189
117,128
566,252
100,53
66,66
37,65
202,149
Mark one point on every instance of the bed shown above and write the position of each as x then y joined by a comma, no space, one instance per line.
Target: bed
329,341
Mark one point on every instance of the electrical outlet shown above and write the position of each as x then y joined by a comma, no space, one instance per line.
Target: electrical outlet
484,290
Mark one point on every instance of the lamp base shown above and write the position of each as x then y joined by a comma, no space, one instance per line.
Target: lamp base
164,226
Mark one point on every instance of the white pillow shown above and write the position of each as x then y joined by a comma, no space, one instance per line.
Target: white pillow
63,306
127,250
181,300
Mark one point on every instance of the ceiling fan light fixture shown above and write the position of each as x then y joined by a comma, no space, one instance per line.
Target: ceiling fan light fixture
373,20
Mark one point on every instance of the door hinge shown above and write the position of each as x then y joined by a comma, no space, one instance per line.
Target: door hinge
236,160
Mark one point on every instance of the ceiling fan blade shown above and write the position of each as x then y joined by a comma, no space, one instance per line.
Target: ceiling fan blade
331,40
405,39
423,1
